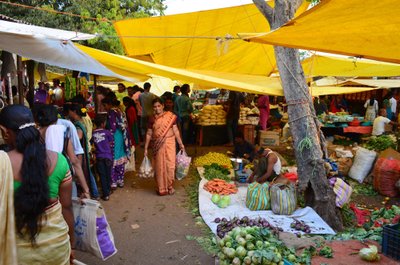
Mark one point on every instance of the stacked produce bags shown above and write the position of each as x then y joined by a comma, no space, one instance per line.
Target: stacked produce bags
249,116
212,115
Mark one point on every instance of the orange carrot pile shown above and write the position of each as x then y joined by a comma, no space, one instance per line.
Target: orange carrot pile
221,187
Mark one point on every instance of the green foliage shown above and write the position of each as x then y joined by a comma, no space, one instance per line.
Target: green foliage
363,189
215,171
380,143
348,216
326,252
207,241
192,191
104,13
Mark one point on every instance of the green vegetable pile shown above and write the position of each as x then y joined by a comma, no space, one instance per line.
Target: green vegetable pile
257,245
372,229
385,213
221,201
380,143
215,171
359,234
363,189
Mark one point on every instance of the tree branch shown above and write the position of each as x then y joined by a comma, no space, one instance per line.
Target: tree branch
296,4
265,9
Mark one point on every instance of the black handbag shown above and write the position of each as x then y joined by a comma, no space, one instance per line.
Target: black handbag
64,152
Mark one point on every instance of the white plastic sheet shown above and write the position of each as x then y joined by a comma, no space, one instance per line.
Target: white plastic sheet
210,211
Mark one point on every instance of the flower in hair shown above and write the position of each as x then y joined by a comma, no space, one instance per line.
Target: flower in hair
26,125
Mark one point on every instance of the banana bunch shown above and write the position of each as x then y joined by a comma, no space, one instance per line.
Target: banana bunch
213,157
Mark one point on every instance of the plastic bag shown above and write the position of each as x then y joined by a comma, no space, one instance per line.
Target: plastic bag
91,229
362,164
182,164
343,192
130,166
258,196
361,215
146,169
283,199
369,254
387,173
344,165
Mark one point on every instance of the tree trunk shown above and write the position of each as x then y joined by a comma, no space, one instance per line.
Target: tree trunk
308,140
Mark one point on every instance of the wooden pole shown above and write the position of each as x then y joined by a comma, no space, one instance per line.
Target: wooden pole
94,97
10,96
20,71
31,81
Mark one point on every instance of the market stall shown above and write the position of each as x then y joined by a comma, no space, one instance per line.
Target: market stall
242,219
342,123
211,126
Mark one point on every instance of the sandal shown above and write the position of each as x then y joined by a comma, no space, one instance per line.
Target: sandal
162,193
171,192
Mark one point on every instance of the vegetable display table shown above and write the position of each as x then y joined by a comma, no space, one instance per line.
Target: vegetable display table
352,132
211,135
358,129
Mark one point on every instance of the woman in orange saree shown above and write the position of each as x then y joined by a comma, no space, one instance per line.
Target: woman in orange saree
162,132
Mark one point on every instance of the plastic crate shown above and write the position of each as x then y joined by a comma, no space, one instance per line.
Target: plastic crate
391,241
241,177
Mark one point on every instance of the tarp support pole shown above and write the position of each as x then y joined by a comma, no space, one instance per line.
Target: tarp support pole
20,70
94,97
30,65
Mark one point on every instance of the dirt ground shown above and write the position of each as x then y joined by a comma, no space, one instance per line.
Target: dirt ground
163,223
346,253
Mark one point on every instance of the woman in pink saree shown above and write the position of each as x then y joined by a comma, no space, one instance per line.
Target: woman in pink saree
162,131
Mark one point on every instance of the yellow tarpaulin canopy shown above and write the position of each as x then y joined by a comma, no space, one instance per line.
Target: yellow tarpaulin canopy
333,90
321,64
378,83
207,79
197,40
159,84
203,79
361,28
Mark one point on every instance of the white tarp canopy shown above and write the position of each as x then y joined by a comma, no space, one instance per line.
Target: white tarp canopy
36,31
51,46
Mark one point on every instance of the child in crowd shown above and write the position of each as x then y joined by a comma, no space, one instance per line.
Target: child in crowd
103,143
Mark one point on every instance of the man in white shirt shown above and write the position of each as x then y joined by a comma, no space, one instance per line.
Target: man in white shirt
268,167
380,122
393,106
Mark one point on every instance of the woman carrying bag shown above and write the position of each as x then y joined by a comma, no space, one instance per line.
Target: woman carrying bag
163,131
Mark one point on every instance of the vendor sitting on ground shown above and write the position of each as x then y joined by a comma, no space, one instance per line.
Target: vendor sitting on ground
380,122
268,166
242,148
